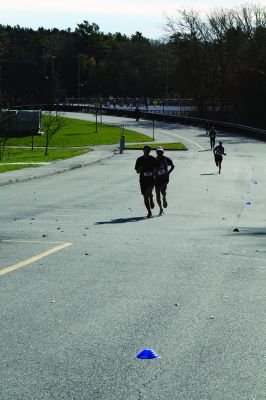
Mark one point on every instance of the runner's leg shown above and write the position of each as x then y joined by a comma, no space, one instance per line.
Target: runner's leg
147,204
163,190
148,200
158,198
220,165
145,190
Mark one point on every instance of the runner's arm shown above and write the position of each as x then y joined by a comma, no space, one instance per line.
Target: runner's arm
138,167
172,167
170,164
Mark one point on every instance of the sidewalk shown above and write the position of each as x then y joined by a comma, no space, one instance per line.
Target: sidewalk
99,153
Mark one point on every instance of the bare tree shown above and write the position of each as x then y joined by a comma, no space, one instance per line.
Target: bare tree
192,53
51,124
221,59
7,123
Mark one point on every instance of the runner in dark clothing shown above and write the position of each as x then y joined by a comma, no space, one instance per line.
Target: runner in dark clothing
218,152
207,128
146,166
162,177
212,135
137,113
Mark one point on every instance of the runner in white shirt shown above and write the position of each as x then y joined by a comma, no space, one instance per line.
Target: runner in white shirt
162,177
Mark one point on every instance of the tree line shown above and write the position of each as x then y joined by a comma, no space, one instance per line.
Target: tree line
218,60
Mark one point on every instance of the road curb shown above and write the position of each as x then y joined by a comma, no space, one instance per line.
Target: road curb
58,170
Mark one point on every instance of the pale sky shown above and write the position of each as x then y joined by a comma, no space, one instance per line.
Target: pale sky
127,17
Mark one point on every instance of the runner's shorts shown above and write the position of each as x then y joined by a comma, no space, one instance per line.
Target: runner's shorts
146,186
162,184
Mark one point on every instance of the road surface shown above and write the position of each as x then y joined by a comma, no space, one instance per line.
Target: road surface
87,282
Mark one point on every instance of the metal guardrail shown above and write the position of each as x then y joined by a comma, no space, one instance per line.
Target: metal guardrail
151,115
243,129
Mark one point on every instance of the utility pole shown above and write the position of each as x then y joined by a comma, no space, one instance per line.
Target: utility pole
78,91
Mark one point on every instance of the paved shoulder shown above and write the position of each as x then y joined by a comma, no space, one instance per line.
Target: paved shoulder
57,167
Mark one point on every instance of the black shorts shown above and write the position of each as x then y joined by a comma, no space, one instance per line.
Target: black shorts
161,183
146,187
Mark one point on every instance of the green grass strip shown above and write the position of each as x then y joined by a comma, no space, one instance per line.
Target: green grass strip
7,168
165,146
80,133
28,156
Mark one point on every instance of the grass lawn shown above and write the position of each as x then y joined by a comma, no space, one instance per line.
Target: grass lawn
6,168
27,156
75,133
82,133
165,146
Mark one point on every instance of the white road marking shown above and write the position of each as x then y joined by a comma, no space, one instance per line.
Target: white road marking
183,138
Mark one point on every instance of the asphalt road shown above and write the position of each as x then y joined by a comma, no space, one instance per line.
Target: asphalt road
101,282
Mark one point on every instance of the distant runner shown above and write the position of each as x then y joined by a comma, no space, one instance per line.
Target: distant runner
218,152
207,128
212,135
162,177
146,166
137,113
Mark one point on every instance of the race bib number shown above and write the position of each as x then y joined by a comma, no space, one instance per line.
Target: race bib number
148,174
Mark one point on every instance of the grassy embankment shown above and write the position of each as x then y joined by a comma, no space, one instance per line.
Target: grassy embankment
72,140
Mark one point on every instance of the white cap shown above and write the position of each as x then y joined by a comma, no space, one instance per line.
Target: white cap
160,149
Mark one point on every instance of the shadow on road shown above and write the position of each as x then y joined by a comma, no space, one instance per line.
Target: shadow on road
230,137
121,220
213,173
250,232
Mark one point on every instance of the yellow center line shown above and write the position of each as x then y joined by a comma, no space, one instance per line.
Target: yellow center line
34,259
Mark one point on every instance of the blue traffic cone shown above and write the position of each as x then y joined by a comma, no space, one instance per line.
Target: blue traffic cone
147,354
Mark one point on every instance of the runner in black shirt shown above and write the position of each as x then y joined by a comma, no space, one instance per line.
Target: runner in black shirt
146,166
218,152
137,113
162,177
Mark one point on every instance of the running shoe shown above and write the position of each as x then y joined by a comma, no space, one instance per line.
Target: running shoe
149,214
